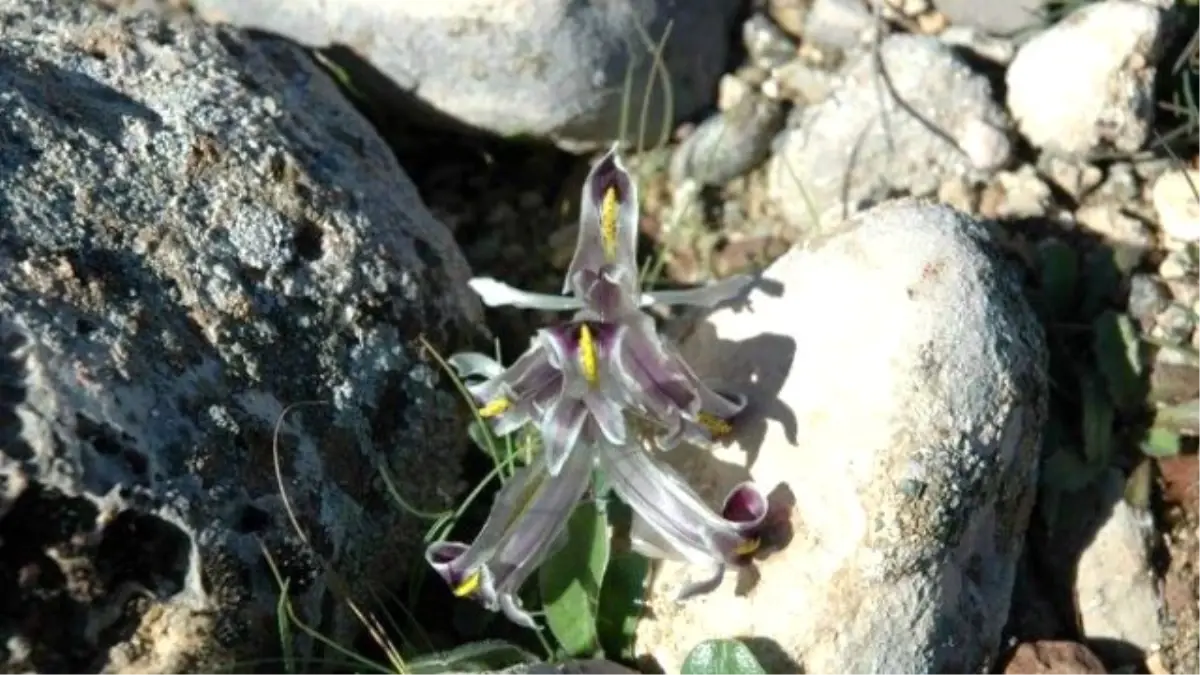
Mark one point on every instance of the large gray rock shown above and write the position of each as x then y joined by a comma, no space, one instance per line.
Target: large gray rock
849,151
898,390
543,68
195,232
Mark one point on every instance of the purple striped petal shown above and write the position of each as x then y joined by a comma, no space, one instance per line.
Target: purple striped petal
608,224
562,425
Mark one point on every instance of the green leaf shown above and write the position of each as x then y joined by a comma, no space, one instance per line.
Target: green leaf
622,603
1161,443
1066,471
1115,344
475,657
1058,269
721,656
570,582
1098,417
1102,280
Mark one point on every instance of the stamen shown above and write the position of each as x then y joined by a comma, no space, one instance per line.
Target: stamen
587,355
468,585
608,223
494,408
747,547
715,425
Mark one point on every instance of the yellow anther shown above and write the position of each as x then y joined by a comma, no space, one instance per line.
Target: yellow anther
587,355
747,547
715,425
496,407
468,585
608,223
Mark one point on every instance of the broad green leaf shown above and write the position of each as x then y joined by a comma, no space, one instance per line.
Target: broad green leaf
570,582
1066,471
1058,269
1098,416
485,656
621,603
1161,443
1115,344
716,657
1181,417
1101,281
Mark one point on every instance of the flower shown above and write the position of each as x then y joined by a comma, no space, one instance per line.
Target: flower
672,522
527,523
603,273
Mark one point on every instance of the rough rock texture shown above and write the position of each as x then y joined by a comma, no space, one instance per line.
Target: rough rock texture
543,68
846,153
1087,83
195,232
898,389
1000,18
1101,548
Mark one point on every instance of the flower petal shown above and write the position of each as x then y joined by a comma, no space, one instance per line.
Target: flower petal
562,424
474,364
541,530
496,293
704,296
608,224
646,372
608,415
684,526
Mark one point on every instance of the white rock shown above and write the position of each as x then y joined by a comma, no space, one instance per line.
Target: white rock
1174,198
849,151
1088,82
898,390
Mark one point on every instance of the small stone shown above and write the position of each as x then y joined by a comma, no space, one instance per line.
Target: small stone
1177,265
1087,83
767,45
1108,219
837,23
1147,297
1075,178
998,50
959,193
1174,325
728,144
932,23
789,15
731,90
1174,199
1026,195
802,83
1006,17
1053,656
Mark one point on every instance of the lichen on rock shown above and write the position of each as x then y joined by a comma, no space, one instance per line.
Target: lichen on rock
198,232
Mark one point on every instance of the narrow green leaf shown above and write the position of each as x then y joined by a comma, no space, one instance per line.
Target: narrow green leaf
1140,484
1161,443
1098,416
484,656
1058,269
1115,344
570,582
715,657
622,603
